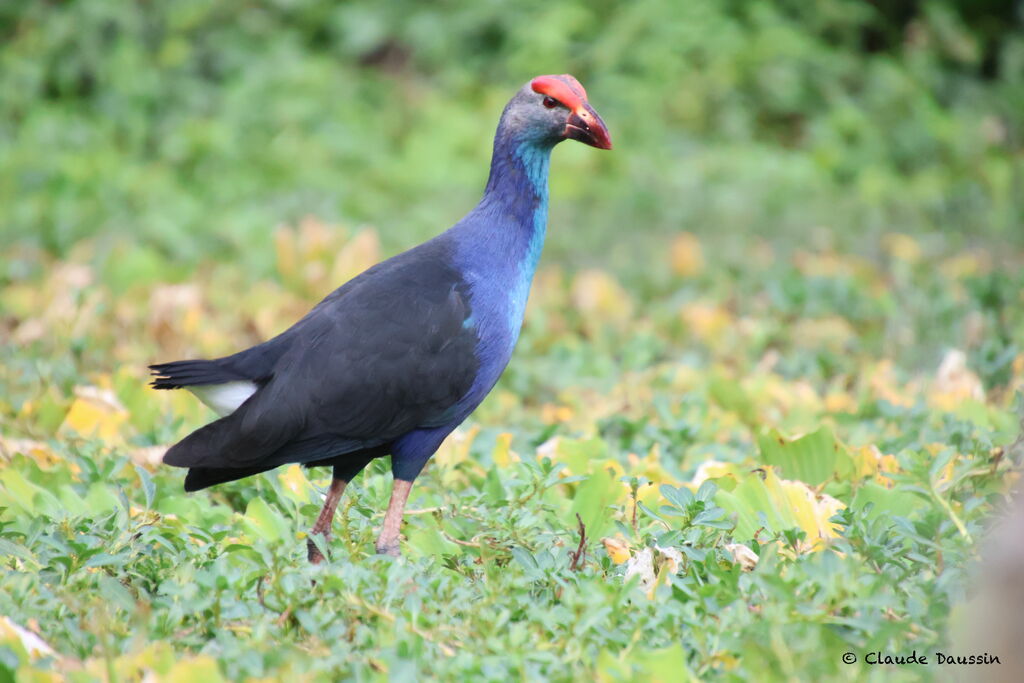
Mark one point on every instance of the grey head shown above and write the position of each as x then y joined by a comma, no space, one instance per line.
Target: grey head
550,109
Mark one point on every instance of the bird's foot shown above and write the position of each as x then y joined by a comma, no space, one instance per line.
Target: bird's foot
391,548
313,553
323,522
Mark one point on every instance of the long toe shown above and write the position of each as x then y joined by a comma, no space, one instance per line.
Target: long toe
393,549
313,553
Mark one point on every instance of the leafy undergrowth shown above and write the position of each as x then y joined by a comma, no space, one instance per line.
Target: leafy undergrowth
739,467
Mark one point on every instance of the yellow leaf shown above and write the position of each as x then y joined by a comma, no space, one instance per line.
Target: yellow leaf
883,385
965,264
502,453
870,462
613,467
954,383
617,549
946,475
829,332
839,402
356,255
174,315
902,247
711,469
707,322
650,466
315,236
287,258
788,396
686,378
725,660
555,414
201,668
785,504
314,255
599,296
686,255
825,263
96,412
296,484
812,512
455,448
42,454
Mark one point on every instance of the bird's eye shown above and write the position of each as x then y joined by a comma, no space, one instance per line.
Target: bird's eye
550,102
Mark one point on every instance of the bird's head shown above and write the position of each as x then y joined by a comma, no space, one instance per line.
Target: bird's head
555,108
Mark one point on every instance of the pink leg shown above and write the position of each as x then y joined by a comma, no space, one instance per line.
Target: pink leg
323,522
387,542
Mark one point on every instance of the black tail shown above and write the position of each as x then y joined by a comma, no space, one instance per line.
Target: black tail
190,373
202,477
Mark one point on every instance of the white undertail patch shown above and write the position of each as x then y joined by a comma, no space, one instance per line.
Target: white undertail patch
225,398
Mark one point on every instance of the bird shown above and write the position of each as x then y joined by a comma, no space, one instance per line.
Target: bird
396,358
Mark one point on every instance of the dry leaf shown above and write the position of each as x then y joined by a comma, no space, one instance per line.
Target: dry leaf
902,247
706,321
711,469
871,462
96,412
296,484
743,556
35,646
954,382
642,565
37,450
599,297
617,549
503,455
670,561
686,255
148,457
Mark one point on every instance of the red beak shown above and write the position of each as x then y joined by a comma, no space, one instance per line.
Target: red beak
586,126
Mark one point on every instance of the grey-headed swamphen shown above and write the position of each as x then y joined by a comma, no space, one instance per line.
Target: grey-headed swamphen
393,360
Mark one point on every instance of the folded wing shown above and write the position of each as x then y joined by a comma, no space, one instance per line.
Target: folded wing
385,354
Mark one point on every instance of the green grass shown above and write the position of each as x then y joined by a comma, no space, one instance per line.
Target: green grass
616,402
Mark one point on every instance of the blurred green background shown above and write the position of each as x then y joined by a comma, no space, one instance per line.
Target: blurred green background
192,129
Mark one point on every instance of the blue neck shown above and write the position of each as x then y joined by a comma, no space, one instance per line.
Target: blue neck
496,248
519,172
507,227
515,202
499,242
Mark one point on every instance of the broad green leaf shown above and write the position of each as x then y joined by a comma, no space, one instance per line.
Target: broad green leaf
728,394
890,502
680,497
428,540
201,668
261,520
29,497
813,458
667,665
591,501
783,505
148,488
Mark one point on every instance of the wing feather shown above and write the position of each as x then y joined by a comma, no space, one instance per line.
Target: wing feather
381,356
